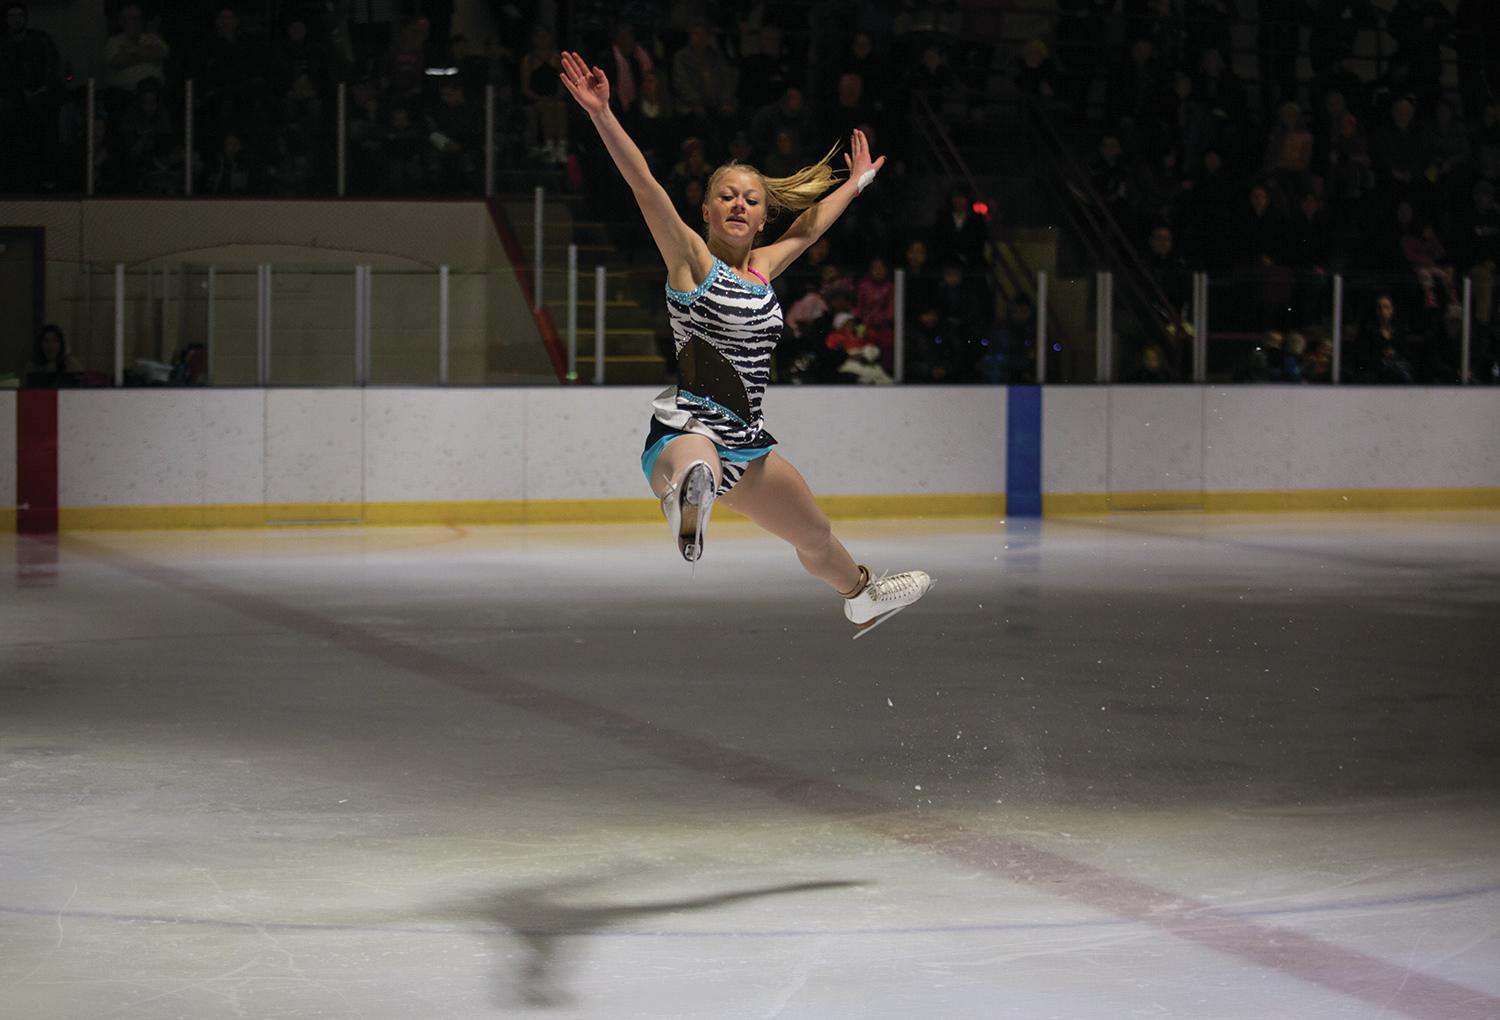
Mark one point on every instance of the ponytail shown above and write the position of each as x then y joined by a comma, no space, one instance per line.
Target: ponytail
796,191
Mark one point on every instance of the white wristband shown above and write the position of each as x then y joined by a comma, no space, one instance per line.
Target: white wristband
864,181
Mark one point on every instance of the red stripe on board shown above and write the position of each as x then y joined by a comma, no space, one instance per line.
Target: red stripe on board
517,257
36,462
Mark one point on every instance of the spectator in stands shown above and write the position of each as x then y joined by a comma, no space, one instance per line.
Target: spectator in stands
958,233
785,157
151,163
131,56
371,32
1112,178
1289,151
875,306
403,153
296,54
1308,249
790,114
1350,177
542,91
765,74
961,319
366,165
1383,343
1136,88
1151,368
651,122
1420,27
1035,72
933,79
628,67
406,71
230,78
690,201
1429,262
921,286
1009,356
1317,367
51,366
1445,142
1206,209
693,165
1481,254
1262,234
1293,352
705,84
1219,87
1399,158
30,85
848,110
455,137
1336,25
231,172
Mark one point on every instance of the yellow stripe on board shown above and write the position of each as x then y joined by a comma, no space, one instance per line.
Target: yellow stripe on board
1276,501
630,511
547,511
7,519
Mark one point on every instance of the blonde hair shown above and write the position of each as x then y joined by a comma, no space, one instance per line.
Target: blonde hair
795,191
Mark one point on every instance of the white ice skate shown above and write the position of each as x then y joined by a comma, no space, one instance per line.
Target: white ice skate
883,598
687,503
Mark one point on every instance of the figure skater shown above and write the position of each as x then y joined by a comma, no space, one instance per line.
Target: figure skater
707,439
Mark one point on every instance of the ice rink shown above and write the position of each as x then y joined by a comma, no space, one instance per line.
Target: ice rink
1155,765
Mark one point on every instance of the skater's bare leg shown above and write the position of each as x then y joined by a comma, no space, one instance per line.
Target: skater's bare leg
774,495
678,454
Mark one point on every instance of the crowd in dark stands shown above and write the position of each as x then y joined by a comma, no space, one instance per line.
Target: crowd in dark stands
1329,163
1335,163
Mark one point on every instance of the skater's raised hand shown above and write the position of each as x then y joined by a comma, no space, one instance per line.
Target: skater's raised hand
588,85
858,156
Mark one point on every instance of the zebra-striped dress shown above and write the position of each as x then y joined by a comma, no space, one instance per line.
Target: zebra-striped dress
724,331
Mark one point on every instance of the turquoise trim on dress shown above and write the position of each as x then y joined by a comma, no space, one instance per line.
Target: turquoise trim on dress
687,297
649,458
712,405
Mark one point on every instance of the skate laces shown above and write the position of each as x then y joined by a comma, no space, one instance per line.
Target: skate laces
892,586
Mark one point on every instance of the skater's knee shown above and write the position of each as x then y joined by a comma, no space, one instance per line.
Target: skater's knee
816,538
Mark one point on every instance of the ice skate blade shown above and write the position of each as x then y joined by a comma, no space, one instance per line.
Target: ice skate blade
865,628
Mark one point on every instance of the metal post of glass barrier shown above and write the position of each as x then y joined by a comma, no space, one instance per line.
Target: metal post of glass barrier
187,138
1200,327
359,319
1041,327
572,313
538,197
119,324
1338,328
489,140
599,289
368,347
208,353
343,137
898,338
263,324
1103,327
88,153
1465,336
442,325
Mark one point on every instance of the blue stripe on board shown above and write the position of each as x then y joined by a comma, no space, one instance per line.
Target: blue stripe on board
1023,451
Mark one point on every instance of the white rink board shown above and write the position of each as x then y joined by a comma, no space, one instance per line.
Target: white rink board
229,446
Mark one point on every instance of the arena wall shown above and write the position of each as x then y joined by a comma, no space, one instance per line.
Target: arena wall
313,247
249,457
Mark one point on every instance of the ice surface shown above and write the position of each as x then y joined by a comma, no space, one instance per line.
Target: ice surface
1138,766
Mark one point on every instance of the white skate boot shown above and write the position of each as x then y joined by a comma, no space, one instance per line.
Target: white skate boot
883,597
686,504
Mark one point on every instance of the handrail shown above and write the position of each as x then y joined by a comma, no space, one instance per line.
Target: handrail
938,139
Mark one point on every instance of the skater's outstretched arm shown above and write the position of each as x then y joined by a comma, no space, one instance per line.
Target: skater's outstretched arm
685,253
816,219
